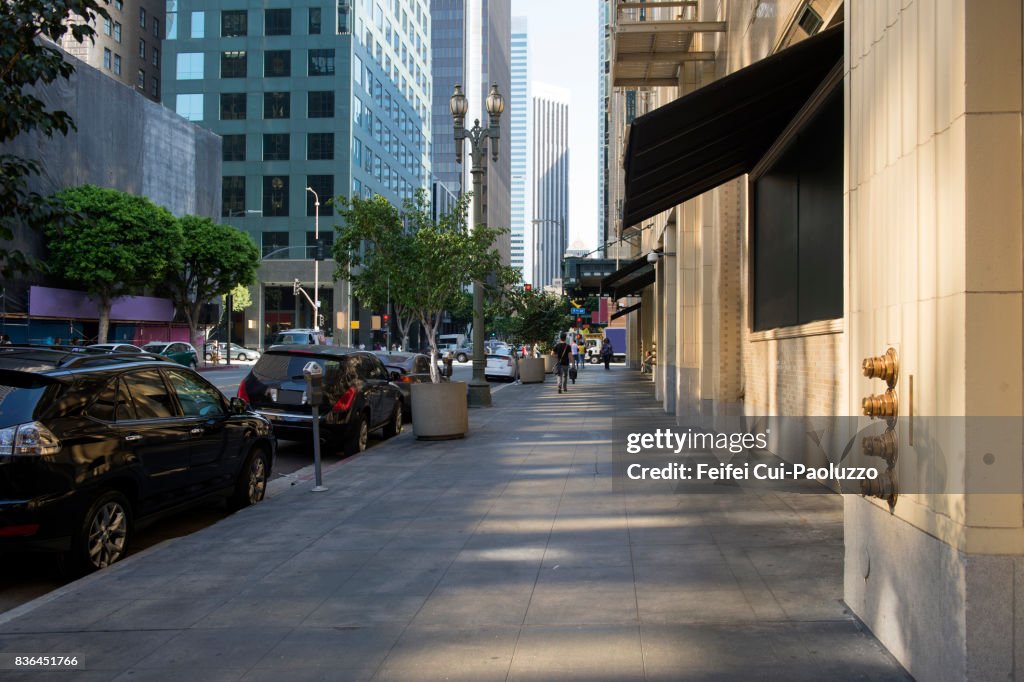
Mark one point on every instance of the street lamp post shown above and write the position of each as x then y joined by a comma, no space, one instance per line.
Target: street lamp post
479,389
316,260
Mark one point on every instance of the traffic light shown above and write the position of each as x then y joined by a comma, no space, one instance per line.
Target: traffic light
319,249
527,287
386,316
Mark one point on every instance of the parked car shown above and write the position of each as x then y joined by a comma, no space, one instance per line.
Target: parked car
358,396
237,352
502,364
297,336
94,445
464,353
180,352
115,347
404,370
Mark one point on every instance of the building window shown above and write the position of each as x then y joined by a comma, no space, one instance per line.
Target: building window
107,26
232,64
155,53
190,107
233,196
321,62
156,28
154,87
107,58
321,104
234,23
357,152
278,22
233,147
797,231
314,21
140,80
142,17
323,185
117,31
320,146
232,106
198,25
275,245
118,5
142,49
190,66
275,195
117,64
357,187
277,63
344,28
276,147
277,105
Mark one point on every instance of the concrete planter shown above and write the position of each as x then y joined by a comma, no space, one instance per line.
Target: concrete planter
549,363
531,370
439,411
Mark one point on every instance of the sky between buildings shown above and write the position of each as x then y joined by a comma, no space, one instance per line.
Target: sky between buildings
563,39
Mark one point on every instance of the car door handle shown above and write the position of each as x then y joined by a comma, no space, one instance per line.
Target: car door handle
132,437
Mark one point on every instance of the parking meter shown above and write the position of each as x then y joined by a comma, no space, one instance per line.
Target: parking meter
314,375
447,364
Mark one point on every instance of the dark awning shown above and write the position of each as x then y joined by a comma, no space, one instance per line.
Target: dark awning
625,311
719,132
629,279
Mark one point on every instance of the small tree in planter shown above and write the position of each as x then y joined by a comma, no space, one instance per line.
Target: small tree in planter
539,317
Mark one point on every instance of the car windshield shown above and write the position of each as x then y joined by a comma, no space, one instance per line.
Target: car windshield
155,347
287,367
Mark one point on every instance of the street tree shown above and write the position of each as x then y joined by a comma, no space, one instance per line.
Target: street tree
370,249
27,61
538,316
114,244
215,259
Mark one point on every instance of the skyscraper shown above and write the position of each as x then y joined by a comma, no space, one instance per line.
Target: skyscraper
550,182
126,45
471,45
334,97
519,109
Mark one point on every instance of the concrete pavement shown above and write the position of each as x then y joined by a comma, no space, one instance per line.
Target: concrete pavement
503,556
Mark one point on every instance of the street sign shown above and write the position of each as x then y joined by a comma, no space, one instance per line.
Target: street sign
578,311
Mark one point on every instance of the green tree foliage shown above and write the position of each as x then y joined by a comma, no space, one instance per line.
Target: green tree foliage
371,251
115,244
539,316
215,260
25,62
428,263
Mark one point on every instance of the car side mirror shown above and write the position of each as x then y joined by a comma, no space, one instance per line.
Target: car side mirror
238,405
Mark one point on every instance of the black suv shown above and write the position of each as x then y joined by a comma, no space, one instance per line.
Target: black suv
357,395
93,444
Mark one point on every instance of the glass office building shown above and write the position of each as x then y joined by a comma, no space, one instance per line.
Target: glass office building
331,96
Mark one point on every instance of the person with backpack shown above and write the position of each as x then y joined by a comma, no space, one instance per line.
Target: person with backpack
563,356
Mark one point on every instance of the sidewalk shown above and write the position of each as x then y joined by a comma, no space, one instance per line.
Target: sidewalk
503,556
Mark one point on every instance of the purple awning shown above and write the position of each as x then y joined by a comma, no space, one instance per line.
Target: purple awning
51,302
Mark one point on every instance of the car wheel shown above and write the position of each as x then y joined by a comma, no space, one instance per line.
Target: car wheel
207,357
251,486
462,357
594,360
394,425
242,356
358,437
103,536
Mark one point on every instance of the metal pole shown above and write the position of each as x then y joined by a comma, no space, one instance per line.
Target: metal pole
316,263
319,487
227,332
479,389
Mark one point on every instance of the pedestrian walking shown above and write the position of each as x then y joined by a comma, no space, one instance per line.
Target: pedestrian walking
606,352
563,354
575,354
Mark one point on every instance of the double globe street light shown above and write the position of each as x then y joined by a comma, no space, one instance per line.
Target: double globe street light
479,389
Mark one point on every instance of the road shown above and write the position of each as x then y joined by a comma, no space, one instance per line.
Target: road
25,577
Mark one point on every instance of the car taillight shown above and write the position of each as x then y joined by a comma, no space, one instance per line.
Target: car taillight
28,440
345,401
242,393
508,361
406,379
